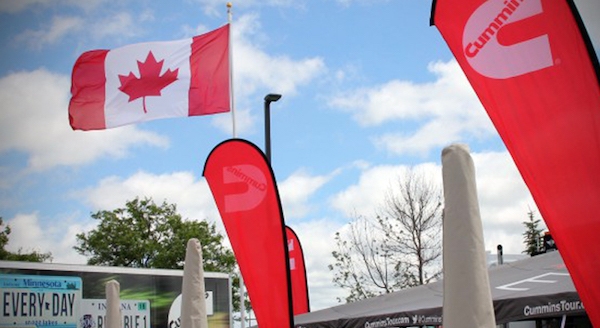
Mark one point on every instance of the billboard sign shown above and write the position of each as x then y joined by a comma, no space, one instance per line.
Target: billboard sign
149,293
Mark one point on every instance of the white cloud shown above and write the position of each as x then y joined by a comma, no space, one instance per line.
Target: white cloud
368,194
58,29
147,15
57,237
16,6
254,68
296,190
245,122
25,230
121,25
504,201
444,111
503,196
317,240
31,232
256,71
34,120
192,196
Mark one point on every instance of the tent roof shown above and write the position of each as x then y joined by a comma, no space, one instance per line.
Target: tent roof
535,287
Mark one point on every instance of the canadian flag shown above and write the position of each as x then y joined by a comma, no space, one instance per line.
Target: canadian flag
148,81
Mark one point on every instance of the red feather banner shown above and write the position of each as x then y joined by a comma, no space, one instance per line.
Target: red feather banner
245,191
533,68
300,298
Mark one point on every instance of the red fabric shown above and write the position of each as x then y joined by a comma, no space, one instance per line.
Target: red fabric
206,90
86,109
297,273
209,90
529,63
246,195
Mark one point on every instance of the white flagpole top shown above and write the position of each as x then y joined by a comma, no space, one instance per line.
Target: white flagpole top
229,5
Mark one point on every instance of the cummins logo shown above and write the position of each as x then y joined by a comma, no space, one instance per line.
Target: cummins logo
485,54
253,191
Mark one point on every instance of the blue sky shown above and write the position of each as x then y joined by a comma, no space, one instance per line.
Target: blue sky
369,89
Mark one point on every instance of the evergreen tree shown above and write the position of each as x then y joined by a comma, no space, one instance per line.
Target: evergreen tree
532,237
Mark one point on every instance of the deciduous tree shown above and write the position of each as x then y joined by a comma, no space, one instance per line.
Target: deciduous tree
398,248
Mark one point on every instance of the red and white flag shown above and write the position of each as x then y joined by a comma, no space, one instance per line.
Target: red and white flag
147,81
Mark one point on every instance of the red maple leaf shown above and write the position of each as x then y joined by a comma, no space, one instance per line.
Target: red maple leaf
150,82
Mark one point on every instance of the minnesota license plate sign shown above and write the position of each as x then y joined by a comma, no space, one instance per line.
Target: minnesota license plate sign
40,301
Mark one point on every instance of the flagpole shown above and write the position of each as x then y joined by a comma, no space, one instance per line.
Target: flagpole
231,97
232,103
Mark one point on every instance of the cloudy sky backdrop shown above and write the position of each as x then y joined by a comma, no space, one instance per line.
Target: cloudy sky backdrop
369,89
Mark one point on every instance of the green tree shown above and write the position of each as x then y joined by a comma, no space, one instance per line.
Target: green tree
146,235
397,249
33,256
532,237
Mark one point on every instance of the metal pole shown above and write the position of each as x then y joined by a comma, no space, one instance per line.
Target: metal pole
268,130
271,97
500,255
242,302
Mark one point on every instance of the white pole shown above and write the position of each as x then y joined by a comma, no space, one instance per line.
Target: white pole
242,304
113,304
231,93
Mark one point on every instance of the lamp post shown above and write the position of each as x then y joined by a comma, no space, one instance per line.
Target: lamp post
271,97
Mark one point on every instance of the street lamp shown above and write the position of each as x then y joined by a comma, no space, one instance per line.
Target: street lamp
271,97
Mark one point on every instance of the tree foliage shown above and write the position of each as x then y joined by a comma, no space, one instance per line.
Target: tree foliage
146,235
5,255
399,248
532,237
